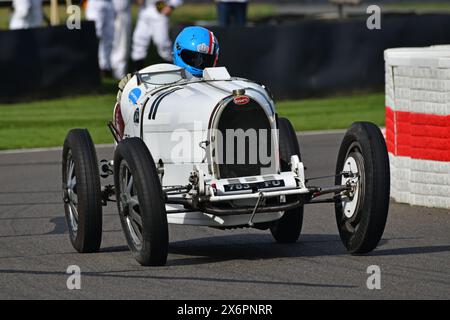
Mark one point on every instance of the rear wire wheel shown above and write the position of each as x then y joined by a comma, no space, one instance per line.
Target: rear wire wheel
81,191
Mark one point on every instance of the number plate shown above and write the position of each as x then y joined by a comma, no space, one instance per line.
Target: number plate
253,186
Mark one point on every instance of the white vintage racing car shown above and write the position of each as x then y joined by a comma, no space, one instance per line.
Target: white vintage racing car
212,151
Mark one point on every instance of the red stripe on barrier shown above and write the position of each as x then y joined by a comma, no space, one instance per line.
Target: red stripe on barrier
390,132
425,130
418,135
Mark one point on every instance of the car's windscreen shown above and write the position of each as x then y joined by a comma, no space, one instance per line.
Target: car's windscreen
162,78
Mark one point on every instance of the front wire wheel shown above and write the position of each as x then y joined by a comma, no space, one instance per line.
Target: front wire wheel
363,165
129,205
140,202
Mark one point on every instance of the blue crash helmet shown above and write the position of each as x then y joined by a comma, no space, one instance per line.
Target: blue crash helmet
195,49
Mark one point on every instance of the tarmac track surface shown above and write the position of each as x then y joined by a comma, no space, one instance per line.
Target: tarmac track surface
205,263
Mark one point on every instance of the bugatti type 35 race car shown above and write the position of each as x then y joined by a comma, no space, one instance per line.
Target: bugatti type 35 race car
212,151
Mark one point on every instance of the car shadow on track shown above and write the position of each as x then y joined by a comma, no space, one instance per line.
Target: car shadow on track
411,250
255,247
260,247
216,249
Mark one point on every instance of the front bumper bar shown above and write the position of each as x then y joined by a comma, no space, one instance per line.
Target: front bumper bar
249,210
256,195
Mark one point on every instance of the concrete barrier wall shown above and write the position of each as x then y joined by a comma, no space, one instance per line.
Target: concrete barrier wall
418,124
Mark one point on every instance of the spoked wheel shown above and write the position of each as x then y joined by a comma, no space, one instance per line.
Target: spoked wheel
140,202
130,205
288,228
72,197
362,212
81,191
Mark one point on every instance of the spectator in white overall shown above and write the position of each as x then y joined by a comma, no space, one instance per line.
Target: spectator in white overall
102,13
153,24
27,14
122,38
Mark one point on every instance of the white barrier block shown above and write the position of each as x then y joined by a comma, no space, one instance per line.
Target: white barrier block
420,72
402,71
403,104
403,162
403,93
430,201
402,197
390,102
430,166
424,84
429,189
418,81
430,178
429,107
423,95
402,82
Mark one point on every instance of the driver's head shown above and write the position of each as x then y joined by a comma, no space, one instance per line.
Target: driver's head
195,49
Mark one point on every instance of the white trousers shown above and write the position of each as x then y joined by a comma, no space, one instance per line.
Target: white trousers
151,25
122,38
102,13
27,14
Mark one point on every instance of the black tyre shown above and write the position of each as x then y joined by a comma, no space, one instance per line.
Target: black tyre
140,202
288,228
81,188
361,215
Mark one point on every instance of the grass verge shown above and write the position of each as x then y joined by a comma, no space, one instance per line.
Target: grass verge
333,113
45,123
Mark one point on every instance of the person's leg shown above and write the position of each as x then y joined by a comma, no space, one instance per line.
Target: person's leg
106,42
223,13
240,13
122,38
36,14
94,13
102,13
161,38
141,40
160,31
19,19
